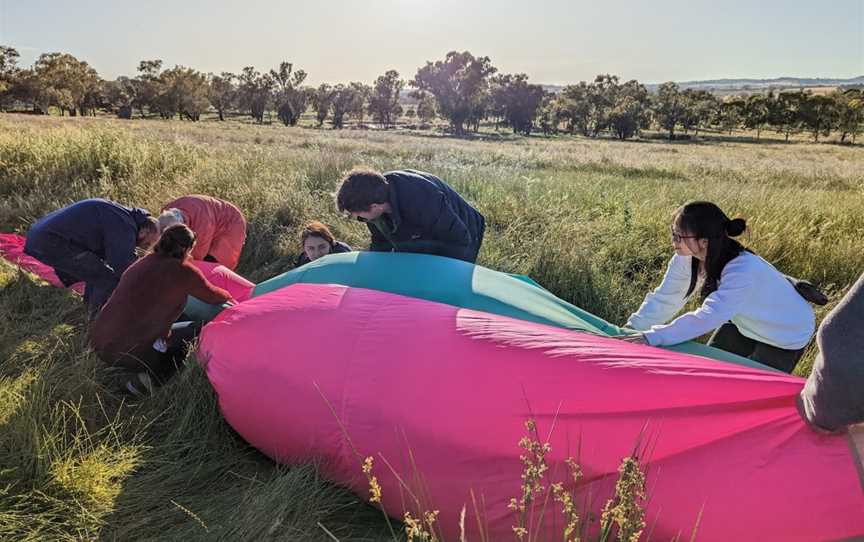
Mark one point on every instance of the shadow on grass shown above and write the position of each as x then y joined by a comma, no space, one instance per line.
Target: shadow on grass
199,480
44,318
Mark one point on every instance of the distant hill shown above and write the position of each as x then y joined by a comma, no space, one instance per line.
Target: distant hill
727,85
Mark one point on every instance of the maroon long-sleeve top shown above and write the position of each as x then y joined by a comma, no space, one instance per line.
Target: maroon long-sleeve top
150,297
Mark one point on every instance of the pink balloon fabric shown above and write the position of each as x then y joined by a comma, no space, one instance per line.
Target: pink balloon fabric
219,275
726,446
12,250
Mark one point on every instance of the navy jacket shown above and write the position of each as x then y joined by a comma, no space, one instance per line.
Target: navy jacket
429,217
103,227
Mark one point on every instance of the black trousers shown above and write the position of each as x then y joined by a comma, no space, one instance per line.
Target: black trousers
74,264
728,338
161,366
474,250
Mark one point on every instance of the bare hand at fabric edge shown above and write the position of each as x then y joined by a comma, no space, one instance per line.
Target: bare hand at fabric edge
635,337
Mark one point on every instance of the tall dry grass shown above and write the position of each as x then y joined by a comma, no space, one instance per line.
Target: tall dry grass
587,219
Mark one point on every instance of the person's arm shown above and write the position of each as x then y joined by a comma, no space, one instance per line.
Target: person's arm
667,299
439,218
733,294
199,287
120,240
445,233
379,242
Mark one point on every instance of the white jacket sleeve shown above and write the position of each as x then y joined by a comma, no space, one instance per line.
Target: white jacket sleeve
736,283
667,299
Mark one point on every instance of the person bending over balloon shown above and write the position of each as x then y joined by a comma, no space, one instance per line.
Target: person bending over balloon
136,329
220,227
753,309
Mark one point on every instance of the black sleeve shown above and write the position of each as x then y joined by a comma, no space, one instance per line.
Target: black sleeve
438,218
379,242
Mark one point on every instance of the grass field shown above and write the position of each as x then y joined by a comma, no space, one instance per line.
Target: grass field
588,219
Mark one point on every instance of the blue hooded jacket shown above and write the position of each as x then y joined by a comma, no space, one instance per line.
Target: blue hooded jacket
103,227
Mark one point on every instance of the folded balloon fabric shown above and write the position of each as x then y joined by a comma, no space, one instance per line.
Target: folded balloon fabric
304,368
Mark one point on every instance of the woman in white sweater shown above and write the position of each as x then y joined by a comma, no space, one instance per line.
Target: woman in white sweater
755,310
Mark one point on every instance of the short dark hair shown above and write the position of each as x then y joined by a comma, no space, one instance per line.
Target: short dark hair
317,229
360,188
150,225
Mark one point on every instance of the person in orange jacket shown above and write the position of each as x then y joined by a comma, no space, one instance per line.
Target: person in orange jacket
219,226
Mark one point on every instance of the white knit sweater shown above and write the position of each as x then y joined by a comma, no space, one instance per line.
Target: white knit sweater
757,298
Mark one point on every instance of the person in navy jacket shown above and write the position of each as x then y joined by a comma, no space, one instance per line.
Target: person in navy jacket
94,241
412,211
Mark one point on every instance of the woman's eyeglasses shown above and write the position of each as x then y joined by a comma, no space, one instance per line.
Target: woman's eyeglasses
676,237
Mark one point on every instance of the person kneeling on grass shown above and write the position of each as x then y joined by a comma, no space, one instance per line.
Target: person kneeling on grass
219,226
833,397
412,211
94,241
318,241
756,310
134,330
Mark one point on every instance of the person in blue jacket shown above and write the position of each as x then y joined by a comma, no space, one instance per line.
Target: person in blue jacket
412,211
94,241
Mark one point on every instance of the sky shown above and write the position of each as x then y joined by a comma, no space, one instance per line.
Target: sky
553,41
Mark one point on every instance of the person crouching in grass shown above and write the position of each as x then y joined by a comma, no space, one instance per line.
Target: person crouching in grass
317,241
134,329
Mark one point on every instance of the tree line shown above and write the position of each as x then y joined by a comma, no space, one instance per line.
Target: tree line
462,89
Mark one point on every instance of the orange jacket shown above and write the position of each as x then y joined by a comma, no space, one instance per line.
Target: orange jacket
219,226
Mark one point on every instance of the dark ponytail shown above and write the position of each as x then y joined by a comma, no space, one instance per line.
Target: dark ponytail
176,241
704,220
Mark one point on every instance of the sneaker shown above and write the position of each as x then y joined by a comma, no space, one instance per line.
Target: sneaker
810,292
140,385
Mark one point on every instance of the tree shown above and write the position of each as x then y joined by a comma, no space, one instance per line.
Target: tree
731,113
629,112
603,94
222,92
384,100
699,106
850,112
322,100
783,112
8,72
290,97
66,83
756,111
254,92
148,85
668,107
118,97
516,100
362,93
341,104
819,114
425,107
28,88
573,108
546,116
458,83
183,91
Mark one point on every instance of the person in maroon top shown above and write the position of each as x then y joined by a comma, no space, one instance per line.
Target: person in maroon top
134,328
